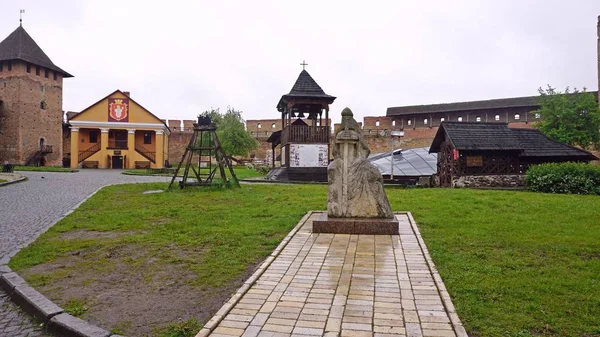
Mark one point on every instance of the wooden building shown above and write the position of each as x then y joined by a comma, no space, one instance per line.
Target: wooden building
468,150
117,132
304,138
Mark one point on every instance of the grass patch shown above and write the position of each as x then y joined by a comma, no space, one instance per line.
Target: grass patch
187,328
2,181
44,169
515,263
240,173
214,233
121,327
76,307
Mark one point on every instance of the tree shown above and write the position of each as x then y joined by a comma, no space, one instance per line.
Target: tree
235,140
571,117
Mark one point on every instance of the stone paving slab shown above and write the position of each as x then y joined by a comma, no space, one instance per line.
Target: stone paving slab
343,285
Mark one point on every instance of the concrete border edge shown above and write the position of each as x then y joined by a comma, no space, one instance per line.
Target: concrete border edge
446,300
226,308
22,179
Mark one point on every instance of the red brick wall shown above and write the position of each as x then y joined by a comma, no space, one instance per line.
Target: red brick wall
385,123
174,124
178,141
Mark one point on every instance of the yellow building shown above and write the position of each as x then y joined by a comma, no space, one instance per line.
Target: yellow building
117,132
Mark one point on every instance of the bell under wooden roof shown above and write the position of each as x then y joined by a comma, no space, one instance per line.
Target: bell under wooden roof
305,89
20,46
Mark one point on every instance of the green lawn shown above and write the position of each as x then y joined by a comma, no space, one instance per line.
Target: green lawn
44,168
515,263
240,172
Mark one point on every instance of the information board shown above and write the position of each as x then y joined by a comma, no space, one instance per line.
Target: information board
308,155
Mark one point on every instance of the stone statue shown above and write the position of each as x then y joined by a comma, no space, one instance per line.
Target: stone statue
355,185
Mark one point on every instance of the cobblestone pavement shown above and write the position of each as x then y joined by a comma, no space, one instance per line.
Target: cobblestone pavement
29,208
348,285
15,323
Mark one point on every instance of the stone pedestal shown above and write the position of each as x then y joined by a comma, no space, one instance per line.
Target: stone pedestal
372,226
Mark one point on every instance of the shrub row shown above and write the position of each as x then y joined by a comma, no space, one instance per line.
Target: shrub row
574,178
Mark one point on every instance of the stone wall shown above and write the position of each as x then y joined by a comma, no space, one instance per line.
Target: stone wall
491,181
31,110
375,129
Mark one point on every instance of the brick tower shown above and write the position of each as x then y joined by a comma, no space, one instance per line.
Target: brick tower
30,103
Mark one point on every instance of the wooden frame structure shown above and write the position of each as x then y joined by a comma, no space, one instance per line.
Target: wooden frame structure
205,144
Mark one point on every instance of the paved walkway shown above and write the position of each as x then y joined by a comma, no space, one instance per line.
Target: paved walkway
29,208
348,285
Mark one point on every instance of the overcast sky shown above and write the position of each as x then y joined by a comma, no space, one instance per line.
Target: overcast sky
179,58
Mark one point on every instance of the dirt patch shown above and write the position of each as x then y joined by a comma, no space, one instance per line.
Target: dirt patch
83,234
589,256
134,299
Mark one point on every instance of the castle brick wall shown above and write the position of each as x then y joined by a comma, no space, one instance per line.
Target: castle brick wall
174,124
178,141
263,127
188,125
414,136
23,119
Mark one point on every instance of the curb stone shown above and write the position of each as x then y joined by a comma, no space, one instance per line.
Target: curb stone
34,303
446,300
10,281
13,181
70,326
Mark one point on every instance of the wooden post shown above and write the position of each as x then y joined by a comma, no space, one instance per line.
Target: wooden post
159,146
131,147
74,147
103,151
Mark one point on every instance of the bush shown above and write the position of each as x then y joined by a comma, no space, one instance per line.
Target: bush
263,169
575,178
7,168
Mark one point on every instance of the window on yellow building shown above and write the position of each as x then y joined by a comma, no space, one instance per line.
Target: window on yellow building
93,136
147,138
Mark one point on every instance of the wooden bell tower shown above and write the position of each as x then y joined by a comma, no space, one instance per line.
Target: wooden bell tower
306,130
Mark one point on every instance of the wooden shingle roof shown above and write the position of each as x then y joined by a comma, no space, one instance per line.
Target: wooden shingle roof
20,46
306,87
476,136
536,144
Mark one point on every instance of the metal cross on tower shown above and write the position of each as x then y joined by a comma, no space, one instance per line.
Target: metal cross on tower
303,64
205,145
